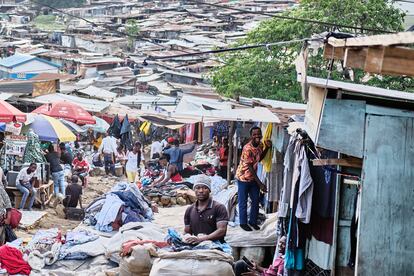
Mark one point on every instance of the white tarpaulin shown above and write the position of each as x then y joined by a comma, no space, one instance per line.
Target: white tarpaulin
90,105
256,114
192,103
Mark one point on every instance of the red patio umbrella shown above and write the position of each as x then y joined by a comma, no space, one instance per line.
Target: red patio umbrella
68,111
9,113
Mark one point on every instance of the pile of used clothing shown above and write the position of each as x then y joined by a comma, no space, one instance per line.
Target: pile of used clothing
47,247
11,259
74,238
177,244
180,193
207,152
123,204
44,248
217,183
170,194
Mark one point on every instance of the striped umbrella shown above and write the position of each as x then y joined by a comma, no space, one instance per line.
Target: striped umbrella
49,129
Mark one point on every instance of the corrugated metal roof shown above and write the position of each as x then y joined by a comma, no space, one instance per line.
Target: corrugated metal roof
101,60
281,104
18,59
88,104
359,89
14,60
93,91
141,98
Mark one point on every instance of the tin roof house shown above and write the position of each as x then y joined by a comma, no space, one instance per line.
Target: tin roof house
24,67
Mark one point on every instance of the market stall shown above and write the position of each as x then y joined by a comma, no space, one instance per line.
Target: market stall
21,150
66,110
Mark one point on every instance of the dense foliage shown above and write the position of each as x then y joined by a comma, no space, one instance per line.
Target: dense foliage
132,29
271,73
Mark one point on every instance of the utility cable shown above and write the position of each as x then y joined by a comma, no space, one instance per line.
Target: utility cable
291,18
240,48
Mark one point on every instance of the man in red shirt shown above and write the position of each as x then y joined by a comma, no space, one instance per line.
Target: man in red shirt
248,182
80,167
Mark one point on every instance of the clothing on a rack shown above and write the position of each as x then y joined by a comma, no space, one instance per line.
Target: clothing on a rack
324,187
287,177
320,253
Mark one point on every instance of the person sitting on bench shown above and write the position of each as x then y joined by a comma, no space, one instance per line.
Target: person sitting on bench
24,182
80,168
73,193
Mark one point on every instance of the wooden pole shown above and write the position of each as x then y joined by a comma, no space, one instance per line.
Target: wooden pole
230,157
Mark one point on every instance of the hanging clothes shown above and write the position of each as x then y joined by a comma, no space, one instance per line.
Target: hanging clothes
294,257
189,133
115,128
145,127
304,206
288,164
126,135
267,160
320,253
324,186
275,177
297,173
221,129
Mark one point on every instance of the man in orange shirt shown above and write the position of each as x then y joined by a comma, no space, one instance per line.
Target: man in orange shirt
248,182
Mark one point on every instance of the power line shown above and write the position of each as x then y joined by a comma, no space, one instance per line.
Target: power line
292,18
245,47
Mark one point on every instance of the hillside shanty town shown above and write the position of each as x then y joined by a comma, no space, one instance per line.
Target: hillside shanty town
206,137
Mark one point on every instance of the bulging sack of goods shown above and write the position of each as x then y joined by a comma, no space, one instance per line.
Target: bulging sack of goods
194,263
138,263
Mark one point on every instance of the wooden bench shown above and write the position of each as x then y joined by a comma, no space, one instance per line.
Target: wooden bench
43,197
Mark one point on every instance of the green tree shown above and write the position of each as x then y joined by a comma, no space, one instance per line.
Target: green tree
132,29
59,3
270,73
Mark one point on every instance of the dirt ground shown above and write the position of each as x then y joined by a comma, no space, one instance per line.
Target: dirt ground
167,217
97,186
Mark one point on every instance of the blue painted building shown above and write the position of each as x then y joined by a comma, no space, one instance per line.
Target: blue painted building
24,67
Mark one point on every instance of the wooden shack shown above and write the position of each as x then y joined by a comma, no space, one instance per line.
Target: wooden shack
372,129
